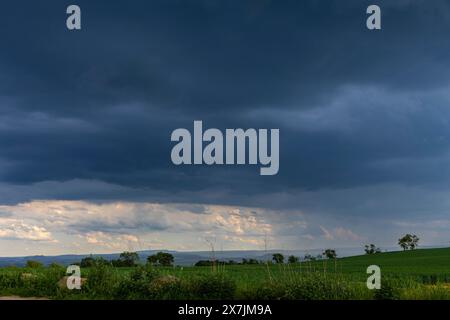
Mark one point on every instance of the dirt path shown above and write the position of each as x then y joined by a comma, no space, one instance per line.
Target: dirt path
20,298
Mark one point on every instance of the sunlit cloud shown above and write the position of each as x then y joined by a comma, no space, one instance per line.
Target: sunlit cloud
19,230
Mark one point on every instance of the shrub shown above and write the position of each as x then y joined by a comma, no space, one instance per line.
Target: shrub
168,288
10,281
267,291
42,284
213,286
46,282
55,265
137,284
389,290
292,259
91,261
101,281
430,279
146,282
32,264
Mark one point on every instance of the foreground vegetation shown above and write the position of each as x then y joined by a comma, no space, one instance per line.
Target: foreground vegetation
418,274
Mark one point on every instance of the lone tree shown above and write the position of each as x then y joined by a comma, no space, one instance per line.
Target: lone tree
330,254
87,262
91,261
408,241
161,258
292,259
309,257
153,260
371,249
278,258
128,259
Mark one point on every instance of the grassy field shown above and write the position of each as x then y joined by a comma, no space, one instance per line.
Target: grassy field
418,274
417,264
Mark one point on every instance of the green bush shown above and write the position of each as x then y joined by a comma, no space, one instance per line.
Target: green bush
33,264
145,282
137,284
10,281
101,282
213,286
390,290
42,283
266,291
169,288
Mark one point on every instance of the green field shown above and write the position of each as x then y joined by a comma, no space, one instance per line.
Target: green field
416,263
417,274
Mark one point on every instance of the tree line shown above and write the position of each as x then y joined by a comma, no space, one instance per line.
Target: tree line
165,259
130,259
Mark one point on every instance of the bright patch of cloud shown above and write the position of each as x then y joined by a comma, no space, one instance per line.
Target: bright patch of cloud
340,233
18,229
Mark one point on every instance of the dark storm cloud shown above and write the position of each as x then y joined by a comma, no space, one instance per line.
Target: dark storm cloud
201,57
354,107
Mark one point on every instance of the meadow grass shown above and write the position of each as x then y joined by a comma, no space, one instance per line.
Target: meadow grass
418,274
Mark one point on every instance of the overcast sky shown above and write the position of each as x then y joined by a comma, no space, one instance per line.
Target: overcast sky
86,118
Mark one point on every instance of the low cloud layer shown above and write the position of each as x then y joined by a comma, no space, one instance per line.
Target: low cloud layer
56,227
116,226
